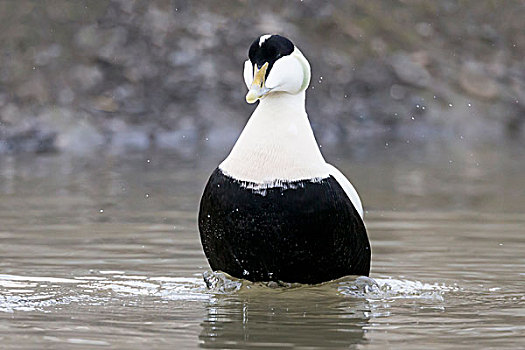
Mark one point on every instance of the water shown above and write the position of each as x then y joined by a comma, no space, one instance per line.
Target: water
104,253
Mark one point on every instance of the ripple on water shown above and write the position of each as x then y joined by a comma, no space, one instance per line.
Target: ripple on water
26,293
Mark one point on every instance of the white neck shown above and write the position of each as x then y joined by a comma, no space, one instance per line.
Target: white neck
277,145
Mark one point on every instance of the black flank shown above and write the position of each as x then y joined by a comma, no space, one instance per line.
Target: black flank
309,232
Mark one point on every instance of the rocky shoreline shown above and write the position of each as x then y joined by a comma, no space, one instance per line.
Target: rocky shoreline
130,75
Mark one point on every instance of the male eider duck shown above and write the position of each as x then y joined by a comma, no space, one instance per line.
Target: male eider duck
274,210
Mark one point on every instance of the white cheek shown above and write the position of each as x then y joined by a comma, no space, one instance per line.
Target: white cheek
286,75
248,73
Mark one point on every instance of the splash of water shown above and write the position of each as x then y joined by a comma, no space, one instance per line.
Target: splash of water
349,286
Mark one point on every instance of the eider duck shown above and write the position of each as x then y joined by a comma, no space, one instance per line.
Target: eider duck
274,209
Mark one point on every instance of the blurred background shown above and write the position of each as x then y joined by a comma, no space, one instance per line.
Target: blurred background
124,75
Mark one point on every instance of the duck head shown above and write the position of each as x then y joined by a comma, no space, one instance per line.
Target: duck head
275,64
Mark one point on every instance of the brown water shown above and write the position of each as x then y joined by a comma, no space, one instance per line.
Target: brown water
104,253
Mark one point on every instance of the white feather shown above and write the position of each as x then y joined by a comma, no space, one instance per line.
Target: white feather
347,187
248,73
286,75
307,74
263,38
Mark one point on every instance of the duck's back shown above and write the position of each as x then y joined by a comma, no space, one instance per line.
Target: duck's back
304,231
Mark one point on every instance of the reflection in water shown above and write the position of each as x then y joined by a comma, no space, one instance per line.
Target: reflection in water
245,313
332,315
275,320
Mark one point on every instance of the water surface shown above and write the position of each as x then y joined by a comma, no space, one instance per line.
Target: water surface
103,252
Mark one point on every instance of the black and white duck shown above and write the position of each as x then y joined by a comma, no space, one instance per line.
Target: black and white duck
274,209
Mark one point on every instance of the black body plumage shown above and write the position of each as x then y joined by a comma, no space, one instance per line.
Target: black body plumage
306,231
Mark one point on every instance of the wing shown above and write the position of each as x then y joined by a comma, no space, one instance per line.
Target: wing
347,187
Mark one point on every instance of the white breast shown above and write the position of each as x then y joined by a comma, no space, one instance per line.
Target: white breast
278,147
277,144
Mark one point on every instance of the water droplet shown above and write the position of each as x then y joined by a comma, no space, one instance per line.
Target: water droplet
209,215
423,107
450,104
469,104
146,195
34,67
206,139
148,160
417,106
346,95
413,118
101,211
